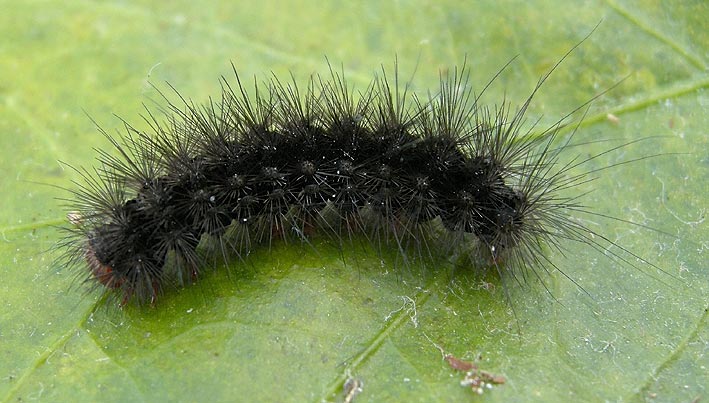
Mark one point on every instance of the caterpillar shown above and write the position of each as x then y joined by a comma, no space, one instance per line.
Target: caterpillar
283,161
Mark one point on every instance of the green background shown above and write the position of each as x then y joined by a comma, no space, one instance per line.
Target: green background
294,322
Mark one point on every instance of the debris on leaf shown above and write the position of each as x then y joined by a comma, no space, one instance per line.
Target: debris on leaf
475,378
352,388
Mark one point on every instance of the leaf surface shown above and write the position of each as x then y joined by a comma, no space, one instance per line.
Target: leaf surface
294,322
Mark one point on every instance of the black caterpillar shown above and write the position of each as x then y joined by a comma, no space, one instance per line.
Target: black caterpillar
381,162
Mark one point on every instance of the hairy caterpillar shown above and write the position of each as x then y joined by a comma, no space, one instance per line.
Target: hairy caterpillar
381,162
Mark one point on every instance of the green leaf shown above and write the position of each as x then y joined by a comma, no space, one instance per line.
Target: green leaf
294,322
